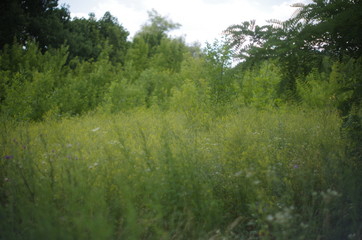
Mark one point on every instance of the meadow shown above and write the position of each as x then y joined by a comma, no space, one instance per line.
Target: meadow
240,173
256,136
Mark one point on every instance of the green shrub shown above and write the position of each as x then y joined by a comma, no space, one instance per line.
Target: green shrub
259,86
122,96
157,85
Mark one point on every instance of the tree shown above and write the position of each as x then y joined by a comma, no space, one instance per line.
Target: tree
84,38
334,27
155,30
27,20
151,47
321,28
87,38
12,21
218,62
115,35
169,55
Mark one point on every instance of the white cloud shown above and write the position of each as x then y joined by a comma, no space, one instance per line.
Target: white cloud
128,14
202,20
79,15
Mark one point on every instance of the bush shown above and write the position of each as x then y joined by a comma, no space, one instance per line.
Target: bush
122,96
259,86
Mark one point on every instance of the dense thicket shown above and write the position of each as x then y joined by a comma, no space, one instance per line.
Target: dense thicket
320,39
51,63
50,26
323,37
318,31
32,20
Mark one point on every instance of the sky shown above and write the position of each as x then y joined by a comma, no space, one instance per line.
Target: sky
202,20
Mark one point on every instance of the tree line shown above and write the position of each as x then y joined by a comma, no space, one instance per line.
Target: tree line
76,65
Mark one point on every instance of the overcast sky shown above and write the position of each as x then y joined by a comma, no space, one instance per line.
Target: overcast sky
201,20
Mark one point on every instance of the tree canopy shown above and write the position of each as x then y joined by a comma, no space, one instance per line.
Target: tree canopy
317,30
41,21
318,35
51,27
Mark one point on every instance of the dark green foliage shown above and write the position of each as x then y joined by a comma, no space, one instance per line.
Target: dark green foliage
51,27
12,21
30,80
333,26
87,38
35,85
84,40
32,20
317,31
321,28
280,42
86,86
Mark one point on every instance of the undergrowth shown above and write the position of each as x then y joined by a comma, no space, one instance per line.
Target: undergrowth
152,174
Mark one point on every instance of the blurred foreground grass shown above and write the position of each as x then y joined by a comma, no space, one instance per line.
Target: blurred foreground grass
148,174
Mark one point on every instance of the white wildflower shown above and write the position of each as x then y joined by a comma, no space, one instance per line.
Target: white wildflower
96,129
237,174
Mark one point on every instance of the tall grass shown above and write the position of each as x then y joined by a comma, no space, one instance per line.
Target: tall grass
148,174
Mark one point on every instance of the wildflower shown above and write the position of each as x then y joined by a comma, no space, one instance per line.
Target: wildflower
249,174
332,193
329,195
96,129
93,165
8,157
296,166
237,174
